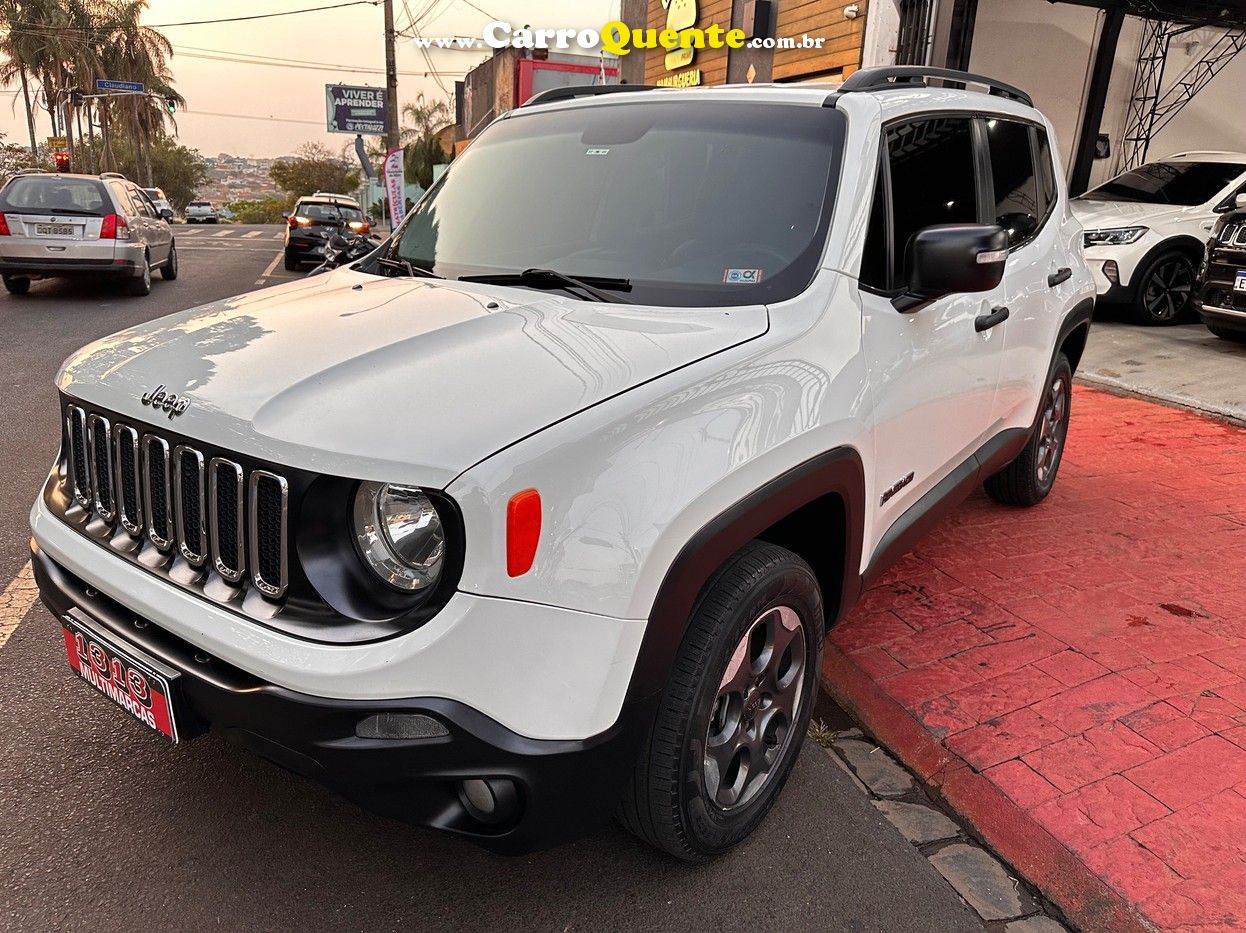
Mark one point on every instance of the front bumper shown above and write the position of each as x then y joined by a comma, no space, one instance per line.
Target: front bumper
562,788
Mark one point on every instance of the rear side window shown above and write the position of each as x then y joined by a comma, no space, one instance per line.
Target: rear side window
1015,180
52,194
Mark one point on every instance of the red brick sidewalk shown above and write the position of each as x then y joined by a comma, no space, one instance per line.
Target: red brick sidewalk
1072,678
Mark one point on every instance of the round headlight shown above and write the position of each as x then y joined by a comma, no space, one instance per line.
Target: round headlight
400,535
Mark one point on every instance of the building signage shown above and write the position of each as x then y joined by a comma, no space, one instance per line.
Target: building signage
58,142
680,15
355,110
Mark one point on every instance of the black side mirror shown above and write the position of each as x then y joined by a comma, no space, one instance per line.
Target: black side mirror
952,259
166,214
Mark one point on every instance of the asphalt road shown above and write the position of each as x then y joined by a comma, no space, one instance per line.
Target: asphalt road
103,826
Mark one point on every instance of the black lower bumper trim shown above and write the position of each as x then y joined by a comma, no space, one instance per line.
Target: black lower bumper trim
65,267
564,789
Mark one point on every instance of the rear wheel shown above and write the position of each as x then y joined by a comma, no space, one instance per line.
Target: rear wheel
1165,290
141,284
1237,336
292,263
17,284
736,708
168,271
1028,479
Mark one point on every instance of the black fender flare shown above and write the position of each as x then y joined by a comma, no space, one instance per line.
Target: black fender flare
839,472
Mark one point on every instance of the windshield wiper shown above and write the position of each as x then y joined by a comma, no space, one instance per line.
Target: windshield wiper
537,278
404,266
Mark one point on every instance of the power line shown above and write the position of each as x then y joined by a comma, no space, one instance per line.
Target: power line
238,19
241,59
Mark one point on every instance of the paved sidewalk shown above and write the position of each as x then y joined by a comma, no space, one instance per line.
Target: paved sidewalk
1072,678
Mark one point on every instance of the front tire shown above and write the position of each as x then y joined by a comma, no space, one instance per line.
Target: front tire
17,284
735,710
1165,290
1028,479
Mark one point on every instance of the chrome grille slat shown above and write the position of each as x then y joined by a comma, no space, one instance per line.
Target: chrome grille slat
79,466
99,456
226,499
268,518
129,496
189,516
157,491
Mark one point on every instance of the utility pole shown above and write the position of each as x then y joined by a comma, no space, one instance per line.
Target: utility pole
391,80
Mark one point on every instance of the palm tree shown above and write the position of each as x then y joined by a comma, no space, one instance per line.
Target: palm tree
422,148
23,46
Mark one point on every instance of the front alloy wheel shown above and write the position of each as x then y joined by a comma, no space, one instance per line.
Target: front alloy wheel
735,709
757,703
1166,290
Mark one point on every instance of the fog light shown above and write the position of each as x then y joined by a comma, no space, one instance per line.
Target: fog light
1113,274
400,726
488,800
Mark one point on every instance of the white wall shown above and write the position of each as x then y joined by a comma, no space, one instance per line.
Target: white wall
1045,48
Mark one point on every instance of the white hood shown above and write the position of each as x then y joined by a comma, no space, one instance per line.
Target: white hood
398,379
1101,215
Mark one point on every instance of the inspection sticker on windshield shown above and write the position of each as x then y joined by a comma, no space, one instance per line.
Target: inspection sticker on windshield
598,152
1239,283
742,276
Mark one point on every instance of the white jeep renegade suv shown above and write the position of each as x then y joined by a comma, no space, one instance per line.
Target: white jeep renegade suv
540,513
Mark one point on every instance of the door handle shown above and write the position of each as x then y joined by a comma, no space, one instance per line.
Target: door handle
987,321
1059,276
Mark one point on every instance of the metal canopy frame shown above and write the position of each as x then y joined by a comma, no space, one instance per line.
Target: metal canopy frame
1151,107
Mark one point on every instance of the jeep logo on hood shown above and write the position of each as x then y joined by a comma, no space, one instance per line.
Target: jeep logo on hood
163,400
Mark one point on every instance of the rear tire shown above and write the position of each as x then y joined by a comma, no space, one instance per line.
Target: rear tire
1165,290
141,284
1237,336
168,271
735,709
1028,479
17,284
292,263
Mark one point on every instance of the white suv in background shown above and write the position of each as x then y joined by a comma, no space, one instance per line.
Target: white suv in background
540,512
1146,230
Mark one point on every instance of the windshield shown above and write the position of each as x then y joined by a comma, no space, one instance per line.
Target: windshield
703,204
50,194
1181,184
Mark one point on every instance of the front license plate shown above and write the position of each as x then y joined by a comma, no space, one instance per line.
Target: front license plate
54,230
1239,283
122,673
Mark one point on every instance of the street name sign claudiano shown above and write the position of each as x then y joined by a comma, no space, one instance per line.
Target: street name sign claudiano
355,110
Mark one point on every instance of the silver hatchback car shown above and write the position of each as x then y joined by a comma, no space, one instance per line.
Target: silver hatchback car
62,225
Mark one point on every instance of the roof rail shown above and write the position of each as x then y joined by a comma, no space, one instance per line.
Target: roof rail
901,76
555,94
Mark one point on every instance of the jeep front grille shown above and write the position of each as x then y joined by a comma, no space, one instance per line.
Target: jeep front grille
205,511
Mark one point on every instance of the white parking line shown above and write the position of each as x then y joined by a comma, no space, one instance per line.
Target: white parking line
252,234
222,233
16,601
272,267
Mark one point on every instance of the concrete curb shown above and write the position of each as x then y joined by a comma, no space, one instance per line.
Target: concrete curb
1011,833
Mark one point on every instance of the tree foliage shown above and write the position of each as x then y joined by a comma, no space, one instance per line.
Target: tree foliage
312,168
51,47
269,210
178,169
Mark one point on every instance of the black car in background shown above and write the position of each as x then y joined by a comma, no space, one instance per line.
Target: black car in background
314,219
1222,286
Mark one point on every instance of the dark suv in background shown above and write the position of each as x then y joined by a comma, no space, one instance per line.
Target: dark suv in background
1222,286
314,219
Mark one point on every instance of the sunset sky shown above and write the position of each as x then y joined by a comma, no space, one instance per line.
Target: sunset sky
269,109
